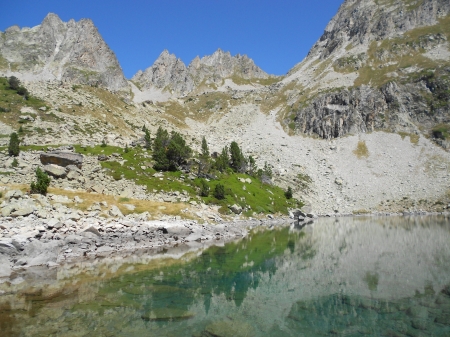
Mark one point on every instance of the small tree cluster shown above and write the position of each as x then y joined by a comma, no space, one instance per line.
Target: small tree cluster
42,182
233,158
169,152
14,84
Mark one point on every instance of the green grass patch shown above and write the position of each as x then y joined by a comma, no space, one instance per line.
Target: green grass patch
304,181
413,138
11,103
257,197
441,131
361,150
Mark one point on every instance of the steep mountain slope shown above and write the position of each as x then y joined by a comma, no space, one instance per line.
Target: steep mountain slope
170,73
380,65
71,52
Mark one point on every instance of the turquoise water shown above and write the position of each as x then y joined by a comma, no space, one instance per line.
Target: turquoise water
344,277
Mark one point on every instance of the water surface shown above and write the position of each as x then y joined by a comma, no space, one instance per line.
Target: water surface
341,277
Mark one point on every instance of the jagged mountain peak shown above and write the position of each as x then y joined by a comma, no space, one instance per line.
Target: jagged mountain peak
169,72
71,52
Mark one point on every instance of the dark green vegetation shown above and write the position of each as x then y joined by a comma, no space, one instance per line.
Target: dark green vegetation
14,84
253,196
13,146
288,193
147,139
42,182
170,152
441,131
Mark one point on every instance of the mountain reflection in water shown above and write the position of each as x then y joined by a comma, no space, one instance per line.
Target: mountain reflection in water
345,277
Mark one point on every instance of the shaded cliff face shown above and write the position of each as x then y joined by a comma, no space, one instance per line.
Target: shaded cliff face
380,64
169,72
392,107
55,50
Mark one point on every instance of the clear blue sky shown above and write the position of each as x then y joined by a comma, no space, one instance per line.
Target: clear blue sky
275,34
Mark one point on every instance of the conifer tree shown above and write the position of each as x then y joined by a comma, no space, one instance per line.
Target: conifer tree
13,147
148,140
203,165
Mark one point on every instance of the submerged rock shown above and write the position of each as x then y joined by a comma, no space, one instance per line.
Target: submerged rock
167,314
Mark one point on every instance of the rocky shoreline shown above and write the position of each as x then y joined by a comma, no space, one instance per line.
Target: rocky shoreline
30,241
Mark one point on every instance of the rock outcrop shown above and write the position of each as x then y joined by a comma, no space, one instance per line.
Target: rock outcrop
62,158
169,72
71,52
394,107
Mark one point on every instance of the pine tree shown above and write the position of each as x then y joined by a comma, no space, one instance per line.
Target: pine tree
42,182
288,193
148,140
14,83
13,147
237,161
219,192
205,149
204,188
178,152
203,165
159,149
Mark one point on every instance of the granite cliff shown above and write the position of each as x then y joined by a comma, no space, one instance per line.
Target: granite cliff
71,52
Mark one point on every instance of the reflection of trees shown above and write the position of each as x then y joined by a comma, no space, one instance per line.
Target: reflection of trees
230,270
168,292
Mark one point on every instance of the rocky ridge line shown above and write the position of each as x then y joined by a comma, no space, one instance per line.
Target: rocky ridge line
169,72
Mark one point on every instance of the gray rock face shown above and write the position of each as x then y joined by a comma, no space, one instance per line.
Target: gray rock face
168,71
38,253
394,107
62,159
66,51
236,209
5,267
55,170
363,21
